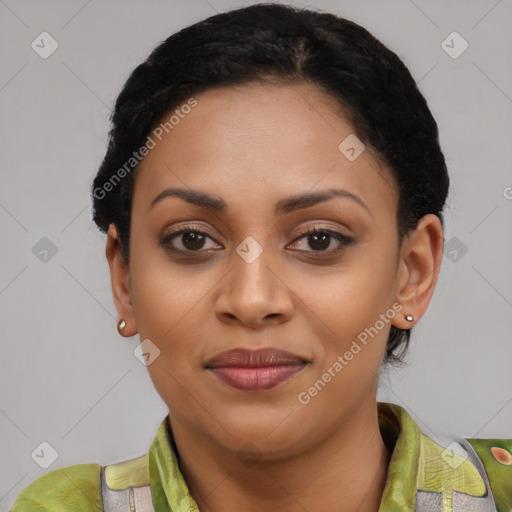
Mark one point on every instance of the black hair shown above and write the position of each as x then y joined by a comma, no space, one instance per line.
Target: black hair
267,42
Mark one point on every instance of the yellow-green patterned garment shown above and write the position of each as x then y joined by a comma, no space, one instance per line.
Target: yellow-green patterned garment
422,475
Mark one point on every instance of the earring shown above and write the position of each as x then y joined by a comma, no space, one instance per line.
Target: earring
409,318
120,326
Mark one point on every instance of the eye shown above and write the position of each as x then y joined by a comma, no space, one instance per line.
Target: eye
319,239
191,238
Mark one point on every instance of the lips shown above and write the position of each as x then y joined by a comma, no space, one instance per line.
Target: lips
255,370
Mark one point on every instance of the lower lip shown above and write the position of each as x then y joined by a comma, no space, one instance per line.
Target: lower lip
256,379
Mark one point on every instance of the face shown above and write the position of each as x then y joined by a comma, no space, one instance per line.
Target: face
247,273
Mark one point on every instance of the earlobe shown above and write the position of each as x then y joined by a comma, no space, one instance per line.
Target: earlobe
120,281
419,266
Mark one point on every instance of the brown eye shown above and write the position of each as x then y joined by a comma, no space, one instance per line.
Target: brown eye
320,239
190,238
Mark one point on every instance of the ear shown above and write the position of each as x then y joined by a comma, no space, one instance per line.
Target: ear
418,269
120,280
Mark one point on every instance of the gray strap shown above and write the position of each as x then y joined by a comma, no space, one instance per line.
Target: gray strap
486,503
143,499
433,501
429,501
132,499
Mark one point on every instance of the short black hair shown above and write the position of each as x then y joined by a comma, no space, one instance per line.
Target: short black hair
266,42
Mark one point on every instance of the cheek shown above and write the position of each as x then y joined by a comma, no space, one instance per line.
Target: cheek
161,292
353,298
358,314
170,305
166,306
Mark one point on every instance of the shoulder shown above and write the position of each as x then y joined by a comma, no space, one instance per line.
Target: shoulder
66,489
463,474
88,488
496,457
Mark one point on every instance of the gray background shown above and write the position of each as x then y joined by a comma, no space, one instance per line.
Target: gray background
66,377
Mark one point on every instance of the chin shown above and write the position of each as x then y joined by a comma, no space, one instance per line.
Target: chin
255,436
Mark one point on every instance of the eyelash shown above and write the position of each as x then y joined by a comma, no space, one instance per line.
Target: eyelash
344,240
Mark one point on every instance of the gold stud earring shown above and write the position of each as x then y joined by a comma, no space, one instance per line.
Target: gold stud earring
120,326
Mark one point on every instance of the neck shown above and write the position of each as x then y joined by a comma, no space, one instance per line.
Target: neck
346,472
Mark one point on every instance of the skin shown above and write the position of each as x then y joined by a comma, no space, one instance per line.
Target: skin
253,146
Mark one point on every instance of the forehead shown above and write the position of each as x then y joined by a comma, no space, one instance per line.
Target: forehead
260,143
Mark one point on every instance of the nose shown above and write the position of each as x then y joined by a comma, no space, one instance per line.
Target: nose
254,292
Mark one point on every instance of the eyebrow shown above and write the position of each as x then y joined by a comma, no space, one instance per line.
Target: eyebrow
286,205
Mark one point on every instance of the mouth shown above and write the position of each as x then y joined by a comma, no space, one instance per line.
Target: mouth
255,370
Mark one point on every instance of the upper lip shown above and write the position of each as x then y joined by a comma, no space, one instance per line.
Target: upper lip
263,357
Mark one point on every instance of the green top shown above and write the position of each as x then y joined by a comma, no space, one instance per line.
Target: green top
417,463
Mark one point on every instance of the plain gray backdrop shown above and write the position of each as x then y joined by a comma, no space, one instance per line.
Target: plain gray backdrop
68,378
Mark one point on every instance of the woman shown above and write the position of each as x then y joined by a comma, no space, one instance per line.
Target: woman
272,195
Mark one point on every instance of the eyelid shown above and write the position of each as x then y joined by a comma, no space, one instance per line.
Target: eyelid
188,227
343,240
321,227
302,231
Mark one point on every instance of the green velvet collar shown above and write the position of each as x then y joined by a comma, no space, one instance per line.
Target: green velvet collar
417,462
